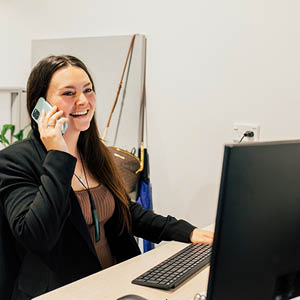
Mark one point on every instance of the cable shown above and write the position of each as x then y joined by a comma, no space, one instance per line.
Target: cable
247,133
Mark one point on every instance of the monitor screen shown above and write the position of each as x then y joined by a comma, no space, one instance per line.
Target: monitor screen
256,250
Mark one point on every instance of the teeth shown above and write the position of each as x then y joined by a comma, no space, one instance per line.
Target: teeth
79,113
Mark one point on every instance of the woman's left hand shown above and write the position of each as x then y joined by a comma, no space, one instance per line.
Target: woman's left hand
200,236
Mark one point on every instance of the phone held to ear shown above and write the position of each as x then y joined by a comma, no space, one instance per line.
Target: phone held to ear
42,104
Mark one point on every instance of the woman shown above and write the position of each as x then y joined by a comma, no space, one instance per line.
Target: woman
54,188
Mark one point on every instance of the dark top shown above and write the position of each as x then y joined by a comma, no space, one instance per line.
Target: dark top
50,236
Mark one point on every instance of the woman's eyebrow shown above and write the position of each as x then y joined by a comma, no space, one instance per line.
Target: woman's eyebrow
73,87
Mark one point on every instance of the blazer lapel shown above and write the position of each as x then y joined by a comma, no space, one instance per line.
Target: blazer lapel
77,219
76,216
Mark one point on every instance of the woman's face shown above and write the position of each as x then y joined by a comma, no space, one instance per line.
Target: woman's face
71,90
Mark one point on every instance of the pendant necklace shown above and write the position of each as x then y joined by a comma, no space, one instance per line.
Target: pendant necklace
92,202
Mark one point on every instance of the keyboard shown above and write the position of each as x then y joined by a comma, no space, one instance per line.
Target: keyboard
177,268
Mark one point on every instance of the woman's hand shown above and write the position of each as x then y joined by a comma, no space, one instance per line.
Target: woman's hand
50,130
201,236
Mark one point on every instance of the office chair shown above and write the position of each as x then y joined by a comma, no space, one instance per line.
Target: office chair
9,261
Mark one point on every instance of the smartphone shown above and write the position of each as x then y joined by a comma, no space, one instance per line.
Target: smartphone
42,104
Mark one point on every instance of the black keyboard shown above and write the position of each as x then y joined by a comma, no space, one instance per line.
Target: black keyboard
177,268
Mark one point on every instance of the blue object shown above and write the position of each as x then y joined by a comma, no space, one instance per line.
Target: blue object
145,199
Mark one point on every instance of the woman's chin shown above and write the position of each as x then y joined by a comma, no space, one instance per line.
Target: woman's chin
82,128
79,127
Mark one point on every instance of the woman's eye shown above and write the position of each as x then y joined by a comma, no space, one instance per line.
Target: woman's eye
88,90
68,93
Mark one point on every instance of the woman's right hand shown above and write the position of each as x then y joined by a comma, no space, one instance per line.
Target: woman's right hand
50,130
202,236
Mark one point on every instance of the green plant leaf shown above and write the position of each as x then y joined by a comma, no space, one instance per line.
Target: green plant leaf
29,133
7,127
1,141
4,141
19,135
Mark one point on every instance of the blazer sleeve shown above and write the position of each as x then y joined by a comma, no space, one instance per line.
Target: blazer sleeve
35,197
156,228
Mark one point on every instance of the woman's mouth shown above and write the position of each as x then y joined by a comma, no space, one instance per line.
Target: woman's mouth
79,113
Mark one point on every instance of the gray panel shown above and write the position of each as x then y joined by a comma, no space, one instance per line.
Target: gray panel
105,58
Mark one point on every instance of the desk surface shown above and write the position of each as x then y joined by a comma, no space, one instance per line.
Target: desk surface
115,281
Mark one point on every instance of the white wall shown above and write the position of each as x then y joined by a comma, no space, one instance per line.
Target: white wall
210,64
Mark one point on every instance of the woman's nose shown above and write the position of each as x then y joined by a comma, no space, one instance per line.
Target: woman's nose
81,99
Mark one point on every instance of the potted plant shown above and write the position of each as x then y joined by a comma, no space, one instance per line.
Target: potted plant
6,128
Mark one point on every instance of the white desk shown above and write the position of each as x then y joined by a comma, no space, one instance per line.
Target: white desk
115,281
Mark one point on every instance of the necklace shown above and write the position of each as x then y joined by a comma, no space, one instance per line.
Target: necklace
79,177
92,202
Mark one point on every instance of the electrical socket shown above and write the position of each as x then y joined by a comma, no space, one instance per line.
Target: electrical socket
240,128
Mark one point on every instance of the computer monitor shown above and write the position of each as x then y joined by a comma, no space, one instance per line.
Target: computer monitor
256,249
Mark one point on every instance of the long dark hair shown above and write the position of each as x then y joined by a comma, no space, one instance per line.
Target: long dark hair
95,154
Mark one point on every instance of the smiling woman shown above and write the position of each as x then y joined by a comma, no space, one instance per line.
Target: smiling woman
71,90
62,197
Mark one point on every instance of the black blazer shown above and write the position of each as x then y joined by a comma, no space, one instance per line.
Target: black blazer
46,230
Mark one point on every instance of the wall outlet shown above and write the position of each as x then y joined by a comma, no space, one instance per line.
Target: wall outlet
240,128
